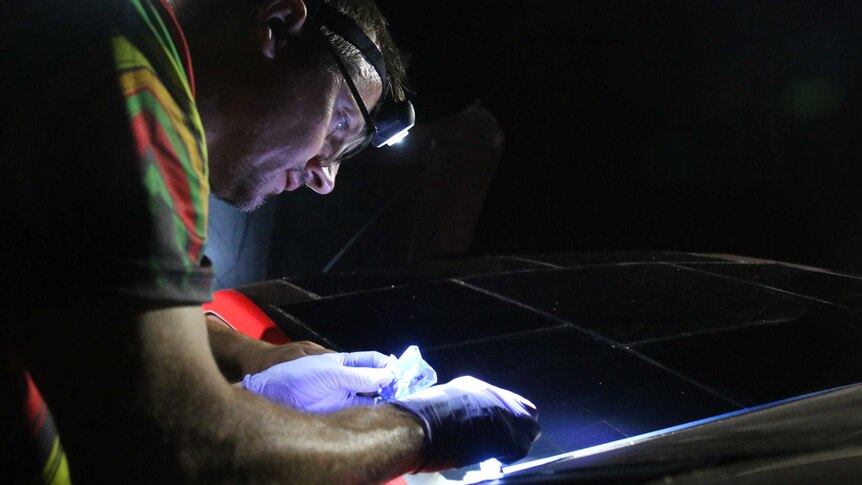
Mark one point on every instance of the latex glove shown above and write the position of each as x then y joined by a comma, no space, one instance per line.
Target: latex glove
467,421
322,383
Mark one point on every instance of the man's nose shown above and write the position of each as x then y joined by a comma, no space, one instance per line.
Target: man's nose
321,179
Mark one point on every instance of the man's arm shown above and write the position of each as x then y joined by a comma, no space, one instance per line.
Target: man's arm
137,396
238,355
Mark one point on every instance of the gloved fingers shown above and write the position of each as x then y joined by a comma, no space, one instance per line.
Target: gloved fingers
516,397
513,400
252,383
469,383
430,393
367,358
363,379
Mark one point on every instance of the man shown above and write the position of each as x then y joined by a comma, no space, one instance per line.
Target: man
104,215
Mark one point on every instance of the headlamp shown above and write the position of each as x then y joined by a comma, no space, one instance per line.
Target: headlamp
393,123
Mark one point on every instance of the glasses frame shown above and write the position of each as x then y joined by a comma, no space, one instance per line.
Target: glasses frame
370,127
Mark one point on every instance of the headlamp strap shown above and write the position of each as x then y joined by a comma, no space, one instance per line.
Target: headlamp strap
345,27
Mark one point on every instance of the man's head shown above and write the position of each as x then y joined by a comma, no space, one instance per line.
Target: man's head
276,108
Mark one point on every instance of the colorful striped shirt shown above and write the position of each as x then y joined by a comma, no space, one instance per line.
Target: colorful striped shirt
106,153
157,84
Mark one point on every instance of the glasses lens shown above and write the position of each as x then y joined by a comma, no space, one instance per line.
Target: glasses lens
353,146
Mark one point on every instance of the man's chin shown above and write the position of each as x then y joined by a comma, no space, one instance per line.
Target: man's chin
244,204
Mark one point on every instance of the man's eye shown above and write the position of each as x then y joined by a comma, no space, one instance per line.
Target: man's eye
344,124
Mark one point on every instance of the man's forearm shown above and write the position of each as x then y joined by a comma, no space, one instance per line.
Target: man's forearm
230,348
245,437
238,355
143,388
358,445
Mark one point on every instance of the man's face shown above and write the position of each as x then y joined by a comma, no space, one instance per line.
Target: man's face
283,132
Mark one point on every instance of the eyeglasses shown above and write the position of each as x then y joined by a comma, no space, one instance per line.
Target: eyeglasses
392,119
390,124
356,144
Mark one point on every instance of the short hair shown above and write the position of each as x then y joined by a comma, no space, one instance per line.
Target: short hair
369,18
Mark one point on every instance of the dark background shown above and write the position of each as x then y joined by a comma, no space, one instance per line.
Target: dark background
722,126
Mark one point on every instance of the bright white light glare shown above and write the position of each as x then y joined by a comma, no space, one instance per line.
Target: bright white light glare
492,465
488,470
397,138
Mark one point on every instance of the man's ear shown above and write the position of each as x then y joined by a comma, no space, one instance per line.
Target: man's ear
290,14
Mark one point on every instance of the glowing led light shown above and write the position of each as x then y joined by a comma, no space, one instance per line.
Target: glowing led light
397,138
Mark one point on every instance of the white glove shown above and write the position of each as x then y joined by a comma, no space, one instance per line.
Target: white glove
323,383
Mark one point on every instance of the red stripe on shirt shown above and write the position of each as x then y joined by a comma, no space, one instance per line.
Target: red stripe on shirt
179,40
34,405
151,136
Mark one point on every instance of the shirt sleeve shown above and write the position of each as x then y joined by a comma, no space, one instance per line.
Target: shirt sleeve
169,151
106,163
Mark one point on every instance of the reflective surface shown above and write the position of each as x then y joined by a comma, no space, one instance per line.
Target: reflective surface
607,345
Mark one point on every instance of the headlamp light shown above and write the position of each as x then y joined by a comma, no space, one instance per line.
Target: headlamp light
393,123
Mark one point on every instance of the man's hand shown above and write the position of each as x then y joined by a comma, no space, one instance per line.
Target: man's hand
238,355
322,383
468,420
149,373
264,356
